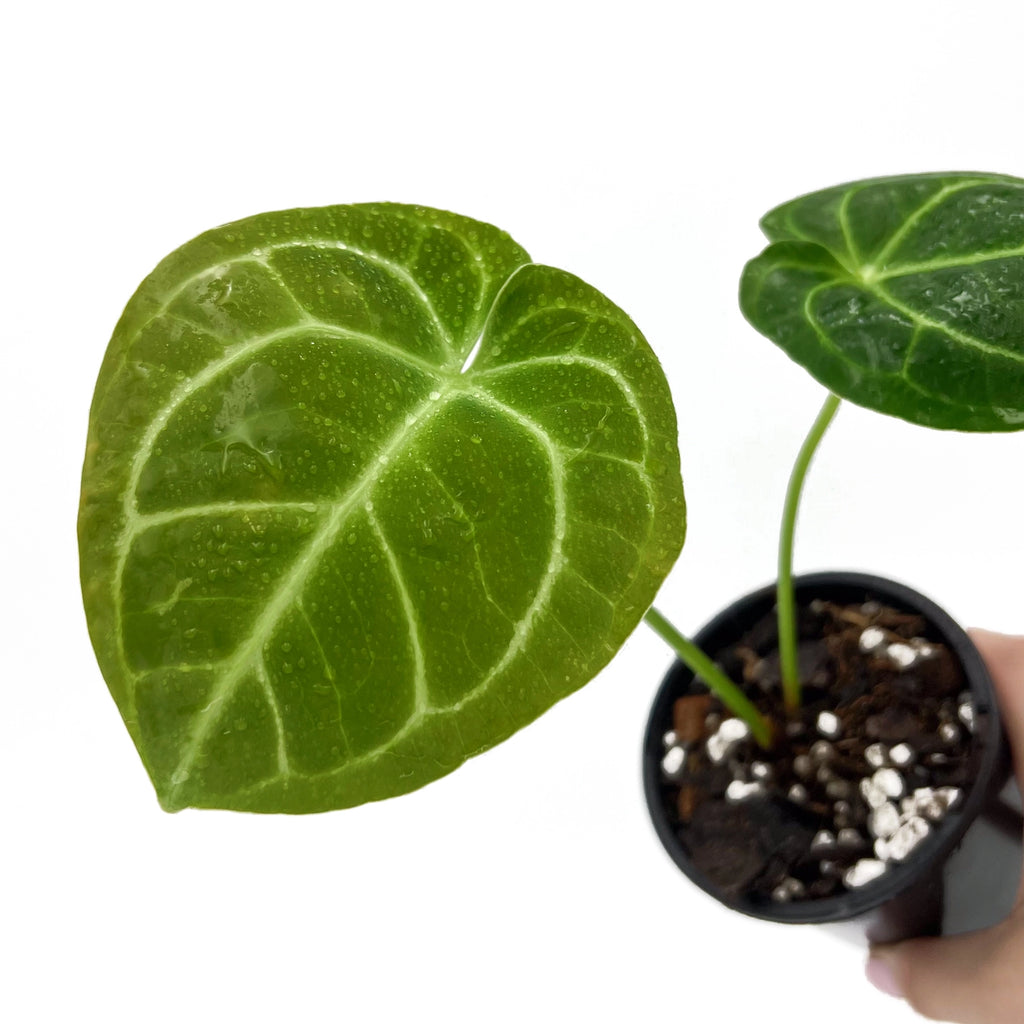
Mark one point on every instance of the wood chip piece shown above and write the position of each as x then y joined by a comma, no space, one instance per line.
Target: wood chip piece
686,802
688,715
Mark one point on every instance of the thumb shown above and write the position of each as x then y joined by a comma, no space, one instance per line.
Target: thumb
1004,656
966,979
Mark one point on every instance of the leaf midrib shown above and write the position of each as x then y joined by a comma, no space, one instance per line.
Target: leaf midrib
249,651
132,519
523,628
948,263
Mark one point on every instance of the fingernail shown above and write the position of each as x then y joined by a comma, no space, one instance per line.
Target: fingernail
880,973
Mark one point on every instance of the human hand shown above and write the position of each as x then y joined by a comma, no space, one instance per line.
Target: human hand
978,977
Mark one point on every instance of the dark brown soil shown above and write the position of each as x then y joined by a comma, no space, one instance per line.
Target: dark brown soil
780,843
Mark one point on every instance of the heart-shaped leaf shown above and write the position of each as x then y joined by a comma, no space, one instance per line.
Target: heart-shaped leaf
903,294
365,492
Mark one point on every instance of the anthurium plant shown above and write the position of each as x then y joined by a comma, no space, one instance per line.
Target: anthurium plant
366,490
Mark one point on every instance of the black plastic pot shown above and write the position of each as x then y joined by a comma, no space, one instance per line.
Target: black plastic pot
964,876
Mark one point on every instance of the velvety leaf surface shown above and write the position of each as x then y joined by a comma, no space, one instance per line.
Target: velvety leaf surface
902,294
365,492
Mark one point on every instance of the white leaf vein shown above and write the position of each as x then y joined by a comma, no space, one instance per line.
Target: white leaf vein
420,693
289,588
518,644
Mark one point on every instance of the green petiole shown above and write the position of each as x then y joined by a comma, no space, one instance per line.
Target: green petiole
786,602
717,681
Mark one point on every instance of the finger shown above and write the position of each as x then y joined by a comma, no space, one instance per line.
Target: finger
966,979
1004,656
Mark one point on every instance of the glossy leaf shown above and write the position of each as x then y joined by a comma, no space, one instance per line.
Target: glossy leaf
365,492
904,294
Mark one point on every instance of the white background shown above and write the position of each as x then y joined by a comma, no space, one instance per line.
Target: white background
635,145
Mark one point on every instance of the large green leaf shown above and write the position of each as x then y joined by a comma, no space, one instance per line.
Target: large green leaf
331,546
902,294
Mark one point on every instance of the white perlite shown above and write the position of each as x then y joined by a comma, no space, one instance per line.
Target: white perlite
797,793
873,795
821,751
966,714
901,655
864,871
949,733
737,791
890,782
902,755
884,821
828,725
787,889
876,755
841,811
933,804
669,739
730,734
673,762
761,771
871,639
824,840
849,838
904,840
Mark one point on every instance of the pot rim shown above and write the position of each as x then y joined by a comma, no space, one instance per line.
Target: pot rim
945,837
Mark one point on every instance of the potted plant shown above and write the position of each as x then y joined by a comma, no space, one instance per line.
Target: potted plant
366,490
869,773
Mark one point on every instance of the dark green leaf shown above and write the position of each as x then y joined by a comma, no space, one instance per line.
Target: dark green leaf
326,554
902,294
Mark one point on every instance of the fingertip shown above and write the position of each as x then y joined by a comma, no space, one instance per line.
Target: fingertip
880,971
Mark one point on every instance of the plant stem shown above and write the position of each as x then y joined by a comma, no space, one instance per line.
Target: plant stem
717,681
786,602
